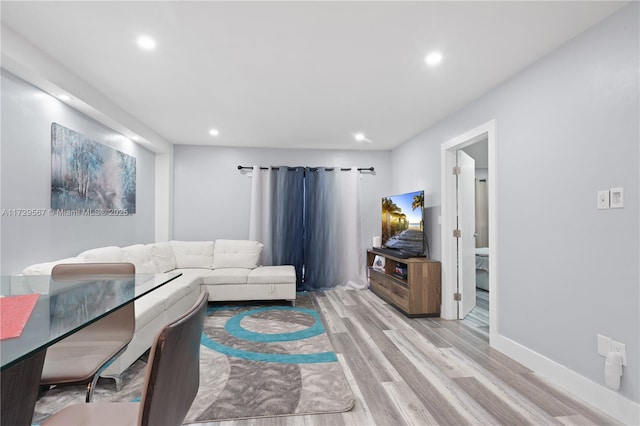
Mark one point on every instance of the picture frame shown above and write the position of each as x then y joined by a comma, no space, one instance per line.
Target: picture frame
379,263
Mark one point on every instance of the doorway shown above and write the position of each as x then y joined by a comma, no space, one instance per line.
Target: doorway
458,287
473,192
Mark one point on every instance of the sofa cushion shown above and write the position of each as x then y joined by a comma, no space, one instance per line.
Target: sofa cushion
284,274
150,306
236,254
45,268
173,291
140,255
163,256
226,276
193,254
102,254
147,308
193,276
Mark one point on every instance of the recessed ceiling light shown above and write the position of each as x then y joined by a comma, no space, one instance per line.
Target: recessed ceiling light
360,137
433,58
146,42
64,98
214,132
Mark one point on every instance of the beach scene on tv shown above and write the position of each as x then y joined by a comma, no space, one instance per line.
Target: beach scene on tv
402,222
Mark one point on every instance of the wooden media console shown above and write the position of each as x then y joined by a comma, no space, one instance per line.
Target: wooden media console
414,289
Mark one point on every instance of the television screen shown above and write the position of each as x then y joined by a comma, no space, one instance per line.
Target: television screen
403,223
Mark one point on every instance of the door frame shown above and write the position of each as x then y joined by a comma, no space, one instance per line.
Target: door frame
449,308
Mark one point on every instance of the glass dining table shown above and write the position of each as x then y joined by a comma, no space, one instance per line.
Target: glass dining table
37,311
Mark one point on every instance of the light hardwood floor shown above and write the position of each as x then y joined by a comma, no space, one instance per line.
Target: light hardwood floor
478,318
429,371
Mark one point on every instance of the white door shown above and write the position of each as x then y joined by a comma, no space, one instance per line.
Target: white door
466,209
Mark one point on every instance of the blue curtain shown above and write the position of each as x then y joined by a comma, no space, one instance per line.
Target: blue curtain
310,218
287,228
321,243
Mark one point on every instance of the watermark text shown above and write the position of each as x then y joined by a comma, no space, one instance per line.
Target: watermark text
63,212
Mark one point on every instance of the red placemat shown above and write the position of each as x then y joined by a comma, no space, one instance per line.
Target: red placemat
14,313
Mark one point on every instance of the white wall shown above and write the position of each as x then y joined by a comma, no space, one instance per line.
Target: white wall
416,164
27,114
212,197
567,127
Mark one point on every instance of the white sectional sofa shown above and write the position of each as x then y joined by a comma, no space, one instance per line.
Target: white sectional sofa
228,269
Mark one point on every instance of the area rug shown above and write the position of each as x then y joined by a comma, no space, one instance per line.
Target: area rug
256,360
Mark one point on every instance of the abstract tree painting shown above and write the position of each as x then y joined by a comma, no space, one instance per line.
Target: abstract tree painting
89,176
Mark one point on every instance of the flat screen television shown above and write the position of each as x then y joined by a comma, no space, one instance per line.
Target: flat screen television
403,225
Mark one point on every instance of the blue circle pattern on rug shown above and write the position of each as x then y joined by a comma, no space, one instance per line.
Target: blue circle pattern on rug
234,328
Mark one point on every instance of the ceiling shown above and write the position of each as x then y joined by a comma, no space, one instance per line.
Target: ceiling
291,74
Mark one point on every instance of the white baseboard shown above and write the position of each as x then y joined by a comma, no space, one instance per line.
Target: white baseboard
604,399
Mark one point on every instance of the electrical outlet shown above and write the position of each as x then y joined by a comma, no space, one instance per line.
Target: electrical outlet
621,348
606,345
603,200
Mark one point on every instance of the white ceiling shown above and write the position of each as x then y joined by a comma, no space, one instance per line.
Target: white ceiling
294,74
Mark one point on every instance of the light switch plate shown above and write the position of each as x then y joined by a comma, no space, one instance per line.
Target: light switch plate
616,196
603,200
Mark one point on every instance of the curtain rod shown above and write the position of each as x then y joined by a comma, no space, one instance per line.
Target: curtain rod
360,169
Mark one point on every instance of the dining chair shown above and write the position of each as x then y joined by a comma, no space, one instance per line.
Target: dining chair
172,379
82,356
